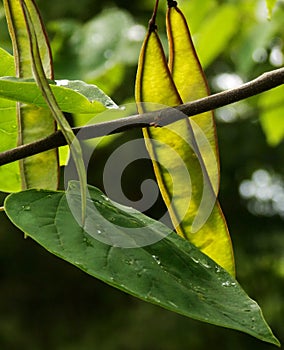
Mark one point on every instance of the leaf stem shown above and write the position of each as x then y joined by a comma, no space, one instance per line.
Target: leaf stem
152,23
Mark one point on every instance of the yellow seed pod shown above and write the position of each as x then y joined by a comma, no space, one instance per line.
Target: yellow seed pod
184,154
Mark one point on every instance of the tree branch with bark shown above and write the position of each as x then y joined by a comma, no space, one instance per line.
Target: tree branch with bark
160,118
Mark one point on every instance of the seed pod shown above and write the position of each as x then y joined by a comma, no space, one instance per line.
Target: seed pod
191,83
41,170
184,153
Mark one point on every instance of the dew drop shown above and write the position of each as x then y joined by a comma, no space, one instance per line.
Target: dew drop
154,299
79,264
217,269
205,265
26,207
226,284
129,261
157,259
172,304
141,272
195,260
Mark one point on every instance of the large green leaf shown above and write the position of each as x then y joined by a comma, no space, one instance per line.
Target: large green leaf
171,273
40,170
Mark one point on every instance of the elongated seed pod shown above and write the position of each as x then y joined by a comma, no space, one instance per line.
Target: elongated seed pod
42,170
184,147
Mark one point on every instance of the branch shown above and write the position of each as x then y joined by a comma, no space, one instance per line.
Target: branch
159,118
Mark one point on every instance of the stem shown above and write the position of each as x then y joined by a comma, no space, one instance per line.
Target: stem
265,82
172,3
152,22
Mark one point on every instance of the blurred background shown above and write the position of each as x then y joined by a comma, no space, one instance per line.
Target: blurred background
46,303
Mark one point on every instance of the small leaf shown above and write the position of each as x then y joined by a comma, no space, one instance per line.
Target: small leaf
171,273
72,96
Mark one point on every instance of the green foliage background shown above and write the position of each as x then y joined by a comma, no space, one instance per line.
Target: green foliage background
46,303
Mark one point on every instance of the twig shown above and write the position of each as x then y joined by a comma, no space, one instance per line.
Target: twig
265,82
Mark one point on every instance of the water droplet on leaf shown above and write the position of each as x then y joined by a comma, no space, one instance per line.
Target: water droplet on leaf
228,284
157,259
129,261
195,260
217,269
203,263
26,207
172,304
